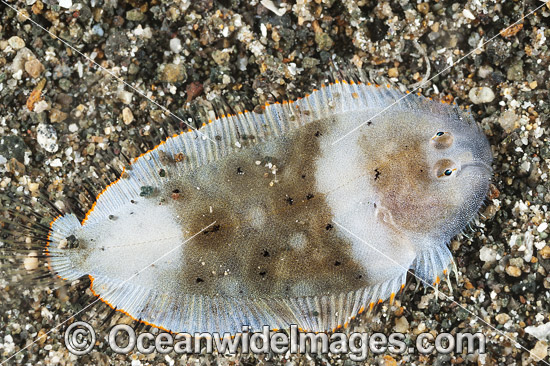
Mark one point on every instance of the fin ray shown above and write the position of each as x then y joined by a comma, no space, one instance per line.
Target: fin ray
197,313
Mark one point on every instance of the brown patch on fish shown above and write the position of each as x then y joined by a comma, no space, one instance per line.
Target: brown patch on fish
403,179
270,236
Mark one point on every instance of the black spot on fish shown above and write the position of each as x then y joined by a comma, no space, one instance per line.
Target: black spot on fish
329,227
377,175
213,229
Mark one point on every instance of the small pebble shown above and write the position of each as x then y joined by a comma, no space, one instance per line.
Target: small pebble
22,15
310,62
541,331
41,106
125,96
16,43
484,71
468,14
393,72
401,325
193,90
33,187
175,45
127,116
57,116
47,137
34,68
22,56
424,8
96,29
515,72
508,120
146,191
324,41
65,3
513,271
38,7
545,252
135,15
15,166
221,57
31,261
65,84
487,254
388,361
56,163
173,73
540,351
481,95
502,318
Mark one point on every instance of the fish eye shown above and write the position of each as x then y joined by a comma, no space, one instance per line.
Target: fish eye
442,140
444,168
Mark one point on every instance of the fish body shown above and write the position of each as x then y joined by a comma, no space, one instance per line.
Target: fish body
305,214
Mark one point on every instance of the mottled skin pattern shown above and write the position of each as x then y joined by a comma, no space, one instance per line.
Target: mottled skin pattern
273,235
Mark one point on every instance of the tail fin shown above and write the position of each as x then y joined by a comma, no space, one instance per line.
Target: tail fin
59,240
